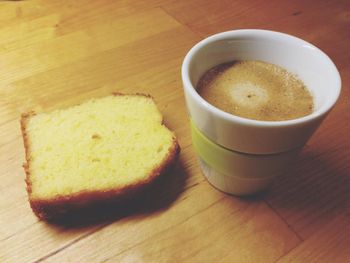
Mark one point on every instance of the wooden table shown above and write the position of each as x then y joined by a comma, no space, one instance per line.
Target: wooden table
58,53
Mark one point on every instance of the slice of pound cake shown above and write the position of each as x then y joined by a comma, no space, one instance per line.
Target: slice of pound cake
102,150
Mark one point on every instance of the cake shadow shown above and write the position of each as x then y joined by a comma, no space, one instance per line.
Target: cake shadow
155,198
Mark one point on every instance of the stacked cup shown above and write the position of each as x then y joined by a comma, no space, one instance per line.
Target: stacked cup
242,156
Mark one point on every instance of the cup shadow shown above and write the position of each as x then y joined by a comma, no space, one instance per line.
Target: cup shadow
317,186
157,197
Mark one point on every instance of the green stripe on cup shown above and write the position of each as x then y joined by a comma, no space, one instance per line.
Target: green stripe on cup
213,154
236,164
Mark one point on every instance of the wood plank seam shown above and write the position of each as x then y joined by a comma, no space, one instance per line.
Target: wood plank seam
70,243
284,220
19,231
200,36
166,229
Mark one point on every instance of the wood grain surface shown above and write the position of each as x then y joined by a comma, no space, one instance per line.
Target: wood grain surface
59,53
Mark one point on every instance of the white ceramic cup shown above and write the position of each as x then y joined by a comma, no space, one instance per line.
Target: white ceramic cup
243,135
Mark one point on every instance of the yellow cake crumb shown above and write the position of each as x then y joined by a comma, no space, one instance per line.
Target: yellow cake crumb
103,144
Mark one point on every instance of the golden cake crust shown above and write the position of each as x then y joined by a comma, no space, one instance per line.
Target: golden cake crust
55,208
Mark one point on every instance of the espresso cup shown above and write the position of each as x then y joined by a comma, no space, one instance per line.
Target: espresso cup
243,135
242,156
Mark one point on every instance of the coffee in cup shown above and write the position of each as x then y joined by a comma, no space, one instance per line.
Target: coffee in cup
256,90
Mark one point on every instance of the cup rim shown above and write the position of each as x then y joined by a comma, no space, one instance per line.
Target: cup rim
251,122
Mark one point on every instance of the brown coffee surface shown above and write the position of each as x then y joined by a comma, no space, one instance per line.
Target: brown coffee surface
256,90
